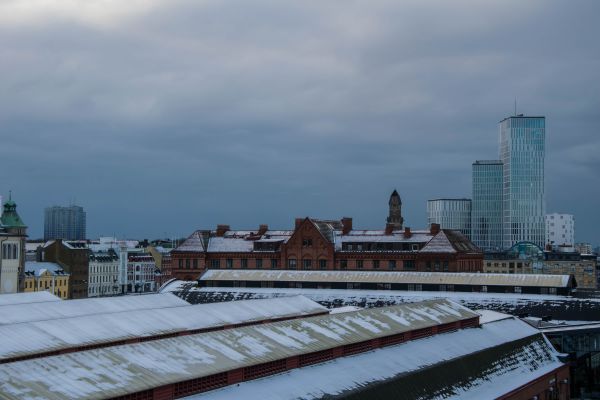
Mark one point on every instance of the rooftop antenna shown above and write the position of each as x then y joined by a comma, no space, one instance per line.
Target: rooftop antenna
515,106
9,195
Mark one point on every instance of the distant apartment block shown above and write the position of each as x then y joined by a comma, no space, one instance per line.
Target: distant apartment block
67,223
560,230
486,207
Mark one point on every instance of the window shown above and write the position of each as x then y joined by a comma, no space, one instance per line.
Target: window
392,264
409,265
484,288
215,263
428,265
375,264
292,263
244,262
195,263
306,242
359,264
229,263
445,266
259,263
187,264
343,264
518,289
307,263
274,263
323,264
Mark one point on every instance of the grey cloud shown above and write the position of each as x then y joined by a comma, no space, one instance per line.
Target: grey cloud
187,114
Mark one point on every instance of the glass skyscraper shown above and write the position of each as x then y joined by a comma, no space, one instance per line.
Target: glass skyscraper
522,151
486,209
66,223
450,214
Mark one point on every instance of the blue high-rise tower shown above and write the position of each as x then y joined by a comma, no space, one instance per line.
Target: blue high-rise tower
522,152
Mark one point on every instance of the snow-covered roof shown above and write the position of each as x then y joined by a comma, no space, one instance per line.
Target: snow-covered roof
485,365
24,339
194,243
436,278
487,316
381,237
16,313
439,244
559,307
229,245
27,298
119,370
38,267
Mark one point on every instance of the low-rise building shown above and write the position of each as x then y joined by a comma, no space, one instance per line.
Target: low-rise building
103,273
584,248
528,258
46,276
73,257
141,271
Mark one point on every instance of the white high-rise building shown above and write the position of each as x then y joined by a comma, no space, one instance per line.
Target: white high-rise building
560,230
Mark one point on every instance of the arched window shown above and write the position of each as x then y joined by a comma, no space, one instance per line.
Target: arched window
14,257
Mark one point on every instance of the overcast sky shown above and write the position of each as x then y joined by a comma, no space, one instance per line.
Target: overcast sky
160,117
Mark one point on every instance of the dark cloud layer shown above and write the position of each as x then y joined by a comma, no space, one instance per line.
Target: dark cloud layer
161,117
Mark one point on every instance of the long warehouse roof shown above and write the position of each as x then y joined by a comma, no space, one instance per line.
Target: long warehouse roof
11,314
119,370
435,278
485,363
30,338
29,297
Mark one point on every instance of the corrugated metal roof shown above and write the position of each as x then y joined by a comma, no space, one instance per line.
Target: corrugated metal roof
25,298
450,278
114,371
475,363
37,337
16,313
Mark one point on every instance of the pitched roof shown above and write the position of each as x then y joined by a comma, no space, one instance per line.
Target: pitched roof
119,370
480,363
435,278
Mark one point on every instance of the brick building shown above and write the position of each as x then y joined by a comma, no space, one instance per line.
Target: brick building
73,257
326,245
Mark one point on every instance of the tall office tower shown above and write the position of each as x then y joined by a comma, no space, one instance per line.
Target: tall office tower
522,150
486,207
64,223
450,214
560,230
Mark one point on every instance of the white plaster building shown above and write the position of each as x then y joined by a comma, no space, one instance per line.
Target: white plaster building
13,234
560,230
103,274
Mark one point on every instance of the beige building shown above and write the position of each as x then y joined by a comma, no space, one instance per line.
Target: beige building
46,276
526,258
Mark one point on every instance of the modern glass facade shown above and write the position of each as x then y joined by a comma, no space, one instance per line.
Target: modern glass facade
522,151
450,214
66,223
486,212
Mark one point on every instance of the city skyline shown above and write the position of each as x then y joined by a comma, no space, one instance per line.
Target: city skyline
159,119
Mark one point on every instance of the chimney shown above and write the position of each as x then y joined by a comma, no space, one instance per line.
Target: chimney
407,232
299,222
346,225
389,228
262,229
221,229
434,229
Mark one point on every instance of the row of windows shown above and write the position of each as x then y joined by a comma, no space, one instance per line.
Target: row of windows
10,251
30,284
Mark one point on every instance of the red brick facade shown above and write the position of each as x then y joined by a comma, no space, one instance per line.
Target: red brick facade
326,245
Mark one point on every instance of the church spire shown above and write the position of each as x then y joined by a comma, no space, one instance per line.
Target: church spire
395,215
